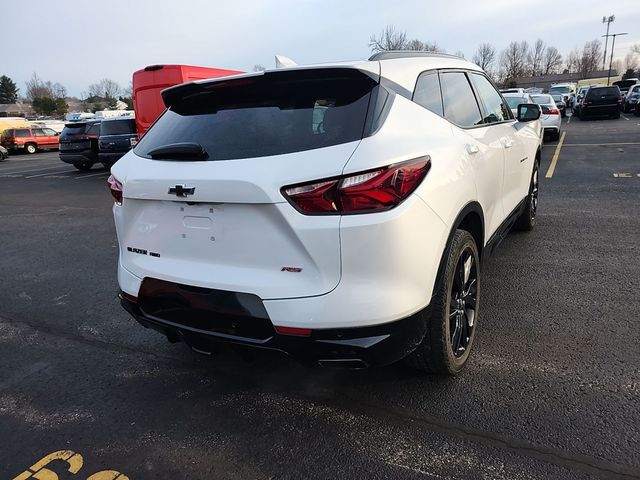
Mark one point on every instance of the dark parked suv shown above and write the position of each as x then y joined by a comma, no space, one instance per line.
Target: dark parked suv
601,101
79,144
117,136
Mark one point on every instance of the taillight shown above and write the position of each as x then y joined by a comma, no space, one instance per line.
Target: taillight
362,192
115,187
550,111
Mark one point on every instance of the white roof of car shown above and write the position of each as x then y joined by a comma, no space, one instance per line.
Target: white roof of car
398,66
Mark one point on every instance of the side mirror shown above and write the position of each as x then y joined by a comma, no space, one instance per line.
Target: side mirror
528,112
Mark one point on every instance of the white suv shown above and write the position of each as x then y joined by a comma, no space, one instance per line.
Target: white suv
338,213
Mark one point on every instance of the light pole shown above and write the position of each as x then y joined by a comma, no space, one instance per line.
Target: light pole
613,45
608,21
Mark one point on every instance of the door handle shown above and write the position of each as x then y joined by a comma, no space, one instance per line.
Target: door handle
507,143
471,148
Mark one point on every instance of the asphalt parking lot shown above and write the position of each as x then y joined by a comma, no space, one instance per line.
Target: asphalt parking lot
552,389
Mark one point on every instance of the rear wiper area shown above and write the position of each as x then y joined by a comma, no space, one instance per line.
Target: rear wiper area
179,151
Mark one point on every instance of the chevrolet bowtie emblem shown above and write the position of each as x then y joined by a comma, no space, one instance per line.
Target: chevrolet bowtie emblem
182,190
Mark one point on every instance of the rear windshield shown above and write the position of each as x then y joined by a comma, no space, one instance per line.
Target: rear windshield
560,90
542,99
74,128
118,127
515,101
557,98
271,114
608,91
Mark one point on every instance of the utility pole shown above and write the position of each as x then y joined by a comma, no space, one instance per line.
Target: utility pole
613,45
608,21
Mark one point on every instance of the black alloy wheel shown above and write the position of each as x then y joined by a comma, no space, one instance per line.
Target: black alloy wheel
462,303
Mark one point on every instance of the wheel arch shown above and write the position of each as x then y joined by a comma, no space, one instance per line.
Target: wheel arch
470,218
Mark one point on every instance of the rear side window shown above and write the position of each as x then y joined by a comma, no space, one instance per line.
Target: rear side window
118,127
428,93
460,106
495,109
271,114
22,132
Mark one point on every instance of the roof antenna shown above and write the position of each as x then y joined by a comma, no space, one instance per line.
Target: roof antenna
282,62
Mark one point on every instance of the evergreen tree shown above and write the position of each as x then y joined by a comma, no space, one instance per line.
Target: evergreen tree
8,90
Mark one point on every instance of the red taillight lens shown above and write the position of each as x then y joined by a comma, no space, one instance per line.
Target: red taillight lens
115,187
362,192
550,111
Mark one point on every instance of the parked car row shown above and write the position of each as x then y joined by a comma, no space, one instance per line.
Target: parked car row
550,114
85,143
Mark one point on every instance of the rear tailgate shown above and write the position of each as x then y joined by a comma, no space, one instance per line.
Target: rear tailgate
234,230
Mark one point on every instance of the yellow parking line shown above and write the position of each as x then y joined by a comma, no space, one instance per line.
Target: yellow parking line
556,154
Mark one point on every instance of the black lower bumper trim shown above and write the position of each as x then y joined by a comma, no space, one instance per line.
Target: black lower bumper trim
355,347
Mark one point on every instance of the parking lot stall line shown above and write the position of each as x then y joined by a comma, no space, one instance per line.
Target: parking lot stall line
599,144
556,154
91,175
31,169
49,173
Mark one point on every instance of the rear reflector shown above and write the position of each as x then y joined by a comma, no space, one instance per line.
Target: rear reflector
301,332
362,192
130,298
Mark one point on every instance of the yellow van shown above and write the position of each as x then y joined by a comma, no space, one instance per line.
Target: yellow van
13,122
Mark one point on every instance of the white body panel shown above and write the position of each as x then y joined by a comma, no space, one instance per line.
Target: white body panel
237,231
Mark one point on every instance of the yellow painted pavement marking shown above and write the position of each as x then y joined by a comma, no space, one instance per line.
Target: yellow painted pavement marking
556,154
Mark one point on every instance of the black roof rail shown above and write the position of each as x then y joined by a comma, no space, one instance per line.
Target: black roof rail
389,54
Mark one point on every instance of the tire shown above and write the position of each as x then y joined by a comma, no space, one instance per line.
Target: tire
83,167
30,148
556,135
616,115
527,220
442,350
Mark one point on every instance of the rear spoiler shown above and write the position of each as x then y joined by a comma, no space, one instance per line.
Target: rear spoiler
172,94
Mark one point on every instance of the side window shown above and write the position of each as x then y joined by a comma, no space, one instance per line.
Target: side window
50,132
494,108
38,132
23,132
460,105
427,93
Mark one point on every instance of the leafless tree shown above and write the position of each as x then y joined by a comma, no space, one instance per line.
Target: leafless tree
535,57
552,61
389,39
38,88
591,56
459,53
572,62
630,61
485,56
421,46
636,48
513,60
259,68
105,88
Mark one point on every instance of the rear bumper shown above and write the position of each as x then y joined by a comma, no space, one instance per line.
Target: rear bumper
111,157
358,347
599,109
83,156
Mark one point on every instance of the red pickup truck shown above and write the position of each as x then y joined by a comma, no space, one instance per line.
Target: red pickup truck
151,80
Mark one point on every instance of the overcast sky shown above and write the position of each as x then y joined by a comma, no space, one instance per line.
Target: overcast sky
78,43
